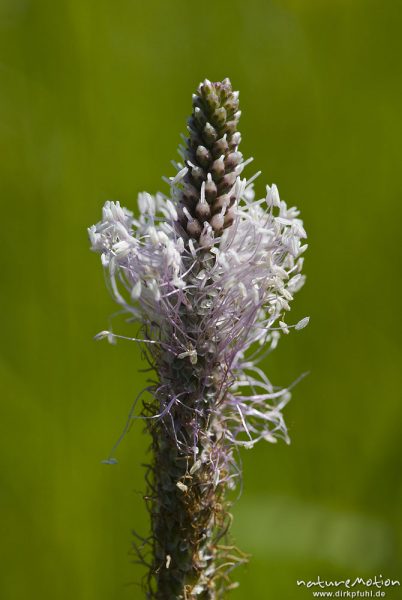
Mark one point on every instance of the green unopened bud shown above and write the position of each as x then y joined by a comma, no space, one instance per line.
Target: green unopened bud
219,116
203,156
209,133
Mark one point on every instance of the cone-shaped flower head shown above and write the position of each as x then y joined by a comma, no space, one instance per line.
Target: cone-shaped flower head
209,272
212,159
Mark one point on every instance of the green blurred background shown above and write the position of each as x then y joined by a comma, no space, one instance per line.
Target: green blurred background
93,97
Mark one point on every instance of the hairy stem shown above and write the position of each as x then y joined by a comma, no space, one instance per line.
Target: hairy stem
188,508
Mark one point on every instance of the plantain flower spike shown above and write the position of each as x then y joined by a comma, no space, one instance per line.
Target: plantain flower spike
209,274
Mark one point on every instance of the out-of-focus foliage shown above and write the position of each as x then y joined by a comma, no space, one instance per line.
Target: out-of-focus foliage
93,97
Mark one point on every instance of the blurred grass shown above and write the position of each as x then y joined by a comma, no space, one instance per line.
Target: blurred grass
93,96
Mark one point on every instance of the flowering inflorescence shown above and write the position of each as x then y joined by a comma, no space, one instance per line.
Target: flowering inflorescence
209,273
